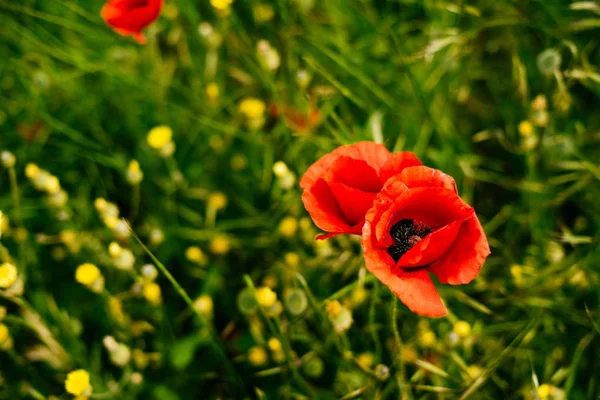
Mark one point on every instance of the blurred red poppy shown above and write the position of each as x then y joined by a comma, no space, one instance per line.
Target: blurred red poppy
129,17
340,187
418,224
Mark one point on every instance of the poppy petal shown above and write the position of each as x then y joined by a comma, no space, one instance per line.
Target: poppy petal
355,173
141,39
354,203
462,262
323,208
109,11
397,163
414,288
431,247
421,176
328,235
375,155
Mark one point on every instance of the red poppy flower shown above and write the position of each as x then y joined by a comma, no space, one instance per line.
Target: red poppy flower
340,187
419,225
129,17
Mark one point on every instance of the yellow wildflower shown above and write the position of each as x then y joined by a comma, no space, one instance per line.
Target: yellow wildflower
257,356
544,391
212,91
134,173
525,128
114,249
265,296
78,383
195,254
365,360
8,275
252,108
31,170
288,226
204,304
474,371
462,328
159,136
4,333
218,201
427,339
221,5
219,244
333,308
100,204
274,344
152,293
292,259
87,274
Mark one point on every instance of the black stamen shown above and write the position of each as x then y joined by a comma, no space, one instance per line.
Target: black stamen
405,234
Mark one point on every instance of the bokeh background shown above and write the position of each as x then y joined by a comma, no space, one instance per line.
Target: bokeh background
502,95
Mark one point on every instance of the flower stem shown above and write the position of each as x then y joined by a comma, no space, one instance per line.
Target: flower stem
215,339
401,375
16,198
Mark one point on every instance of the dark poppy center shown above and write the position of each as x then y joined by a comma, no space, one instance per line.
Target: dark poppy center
405,233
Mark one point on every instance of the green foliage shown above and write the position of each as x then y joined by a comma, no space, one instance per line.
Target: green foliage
452,81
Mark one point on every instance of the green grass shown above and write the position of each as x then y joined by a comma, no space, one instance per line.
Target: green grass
449,80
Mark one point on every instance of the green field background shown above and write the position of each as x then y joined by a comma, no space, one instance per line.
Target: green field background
460,83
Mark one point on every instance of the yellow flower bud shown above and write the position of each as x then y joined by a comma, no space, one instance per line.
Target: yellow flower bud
265,296
525,128
365,360
474,371
221,4
428,339
219,244
280,169
212,91
292,259
87,274
4,333
288,226
257,356
152,293
333,308
100,204
52,184
78,383
195,254
462,328
218,201
31,170
159,136
114,249
204,305
8,275
544,391
252,108
274,345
